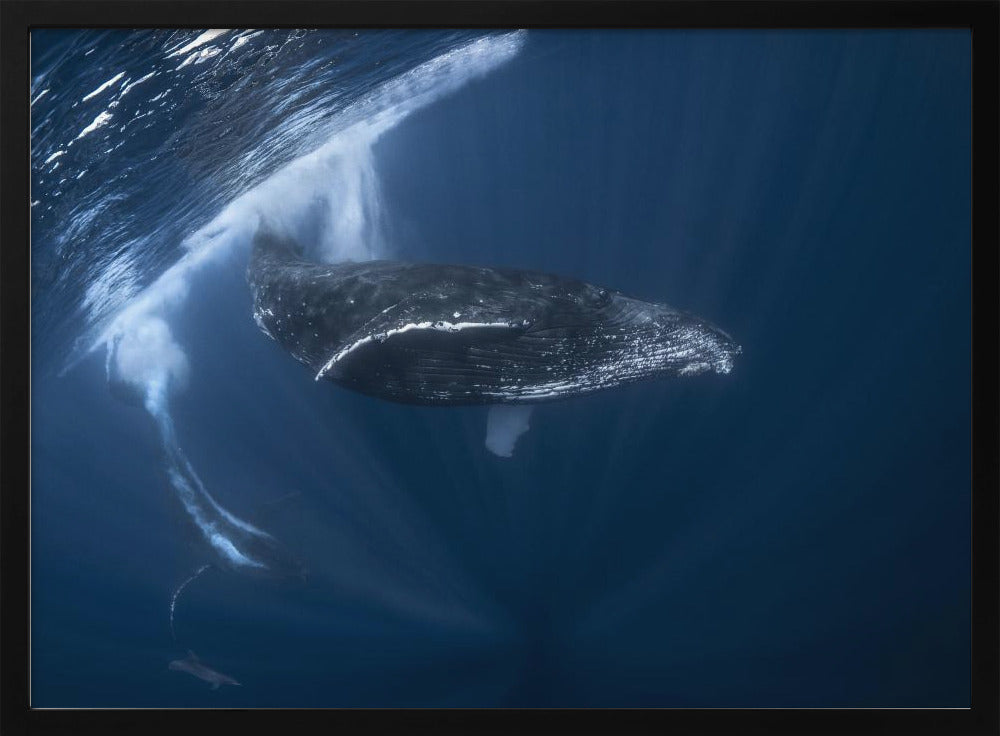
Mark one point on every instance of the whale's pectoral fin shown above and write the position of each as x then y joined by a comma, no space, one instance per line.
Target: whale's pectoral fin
428,355
382,324
505,423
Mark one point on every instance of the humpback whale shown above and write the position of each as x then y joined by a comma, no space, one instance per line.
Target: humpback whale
450,334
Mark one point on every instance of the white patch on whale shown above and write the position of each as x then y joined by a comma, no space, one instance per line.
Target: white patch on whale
441,326
693,369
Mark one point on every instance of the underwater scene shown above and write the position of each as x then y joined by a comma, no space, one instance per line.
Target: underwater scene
513,368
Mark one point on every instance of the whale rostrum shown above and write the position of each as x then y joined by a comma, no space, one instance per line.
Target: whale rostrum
451,334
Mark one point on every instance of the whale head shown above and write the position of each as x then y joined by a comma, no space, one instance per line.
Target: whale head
712,350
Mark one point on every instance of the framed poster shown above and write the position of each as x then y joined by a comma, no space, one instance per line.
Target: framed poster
493,366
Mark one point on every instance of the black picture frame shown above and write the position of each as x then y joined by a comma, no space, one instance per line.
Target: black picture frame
20,16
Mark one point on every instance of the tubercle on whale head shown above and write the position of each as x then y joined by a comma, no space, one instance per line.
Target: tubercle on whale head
723,365
727,359
723,351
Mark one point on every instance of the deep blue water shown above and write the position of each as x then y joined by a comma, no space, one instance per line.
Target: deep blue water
795,533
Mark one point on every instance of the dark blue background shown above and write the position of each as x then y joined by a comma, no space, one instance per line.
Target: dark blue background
793,534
